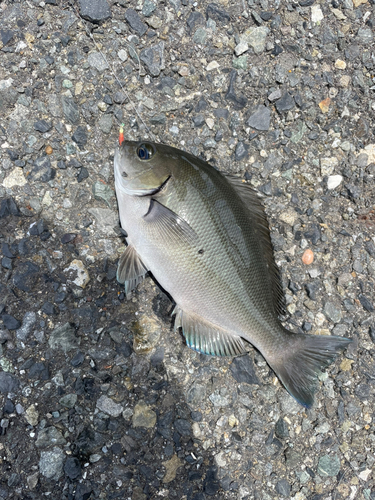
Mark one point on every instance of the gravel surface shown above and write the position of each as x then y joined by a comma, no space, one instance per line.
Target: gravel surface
99,399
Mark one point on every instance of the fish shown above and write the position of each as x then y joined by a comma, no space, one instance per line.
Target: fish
204,237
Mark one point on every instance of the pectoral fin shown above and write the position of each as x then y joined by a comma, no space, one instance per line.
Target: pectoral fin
130,270
169,224
207,338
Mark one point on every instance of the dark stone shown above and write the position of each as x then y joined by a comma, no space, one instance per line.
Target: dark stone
74,163
266,188
211,483
283,488
158,356
10,322
61,165
72,468
42,126
6,251
201,106
260,119
164,425
196,416
78,359
371,332
277,50
70,109
370,248
266,16
219,15
6,36
366,304
49,309
306,3
83,492
39,371
42,171
8,383
152,57
354,192
83,174
242,369
312,289
80,137
8,407
68,237
198,120
45,235
6,262
183,427
241,151
239,102
362,391
13,155
25,276
285,103
221,113
195,19
281,429
135,22
95,11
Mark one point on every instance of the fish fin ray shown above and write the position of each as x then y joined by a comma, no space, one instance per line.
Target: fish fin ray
205,337
130,270
304,360
251,199
169,224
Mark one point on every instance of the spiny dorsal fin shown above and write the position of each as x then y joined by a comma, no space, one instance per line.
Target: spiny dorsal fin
259,221
205,337
130,270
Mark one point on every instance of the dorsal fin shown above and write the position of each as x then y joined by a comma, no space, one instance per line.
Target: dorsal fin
205,337
255,208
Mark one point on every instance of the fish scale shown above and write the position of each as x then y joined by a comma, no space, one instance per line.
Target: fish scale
205,238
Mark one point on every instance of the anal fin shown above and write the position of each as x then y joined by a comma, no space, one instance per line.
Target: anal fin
130,270
207,338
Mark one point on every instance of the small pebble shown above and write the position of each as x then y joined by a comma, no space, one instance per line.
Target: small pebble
308,257
49,150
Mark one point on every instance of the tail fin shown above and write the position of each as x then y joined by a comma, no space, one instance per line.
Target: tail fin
306,356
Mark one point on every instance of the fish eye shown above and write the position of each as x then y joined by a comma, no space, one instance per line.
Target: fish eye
145,151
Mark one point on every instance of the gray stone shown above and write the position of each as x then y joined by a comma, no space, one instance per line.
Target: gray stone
281,429
69,400
70,109
49,436
283,488
107,405
153,58
196,394
51,463
103,192
105,219
148,8
242,369
256,38
365,35
95,11
285,104
200,36
42,171
106,123
195,19
28,322
260,120
332,312
241,151
97,61
80,137
64,338
135,22
329,466
143,416
292,458
42,126
8,383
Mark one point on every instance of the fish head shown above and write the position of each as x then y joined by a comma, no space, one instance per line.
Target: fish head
140,168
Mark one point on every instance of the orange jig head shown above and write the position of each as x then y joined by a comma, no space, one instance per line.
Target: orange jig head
121,135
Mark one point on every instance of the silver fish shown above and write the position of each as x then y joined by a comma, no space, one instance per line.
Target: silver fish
205,238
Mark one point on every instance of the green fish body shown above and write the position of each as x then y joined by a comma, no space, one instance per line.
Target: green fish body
205,238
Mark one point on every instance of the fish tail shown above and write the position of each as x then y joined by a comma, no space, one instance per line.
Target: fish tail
305,357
